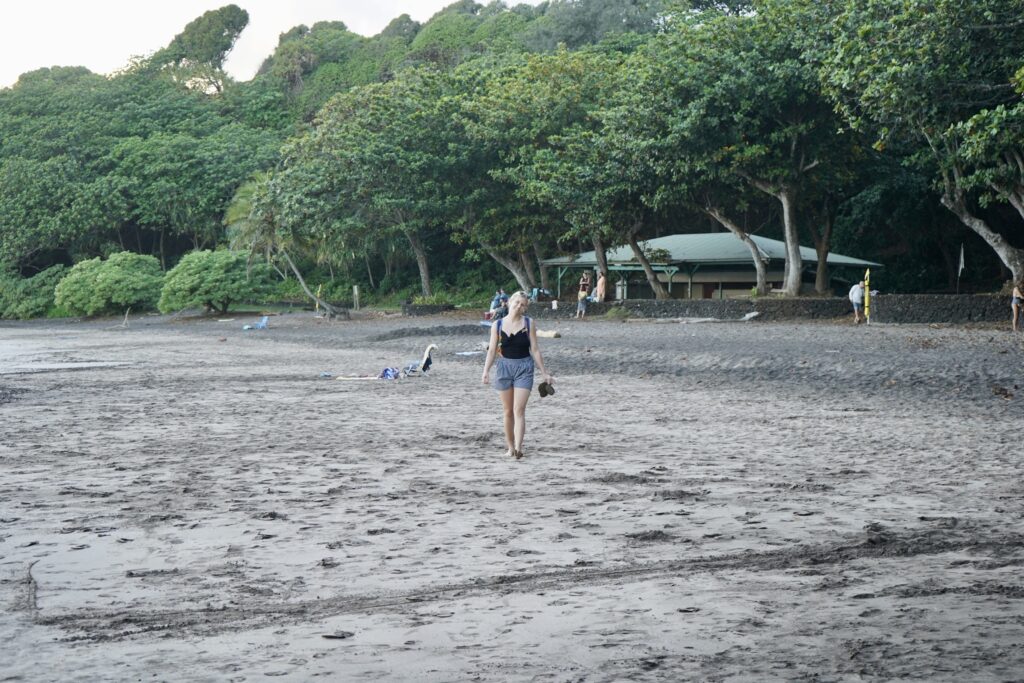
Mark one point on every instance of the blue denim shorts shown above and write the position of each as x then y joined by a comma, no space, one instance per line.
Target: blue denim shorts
513,372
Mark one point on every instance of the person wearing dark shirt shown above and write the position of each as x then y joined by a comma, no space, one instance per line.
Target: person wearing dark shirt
515,338
581,297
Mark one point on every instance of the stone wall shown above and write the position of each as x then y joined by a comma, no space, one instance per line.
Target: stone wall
426,309
941,308
885,308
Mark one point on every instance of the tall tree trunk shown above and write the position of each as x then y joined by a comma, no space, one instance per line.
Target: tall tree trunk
601,256
1012,257
332,311
822,246
755,253
421,259
794,262
660,292
512,265
524,261
541,268
822,276
268,257
369,271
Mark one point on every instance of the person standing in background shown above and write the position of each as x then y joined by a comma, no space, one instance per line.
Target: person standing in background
599,289
582,294
857,299
1016,304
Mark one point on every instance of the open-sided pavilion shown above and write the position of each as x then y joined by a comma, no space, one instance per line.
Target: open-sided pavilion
704,266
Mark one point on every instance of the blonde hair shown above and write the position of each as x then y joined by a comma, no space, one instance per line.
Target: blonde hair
520,294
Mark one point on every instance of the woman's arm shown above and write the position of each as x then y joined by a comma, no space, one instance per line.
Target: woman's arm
538,360
492,348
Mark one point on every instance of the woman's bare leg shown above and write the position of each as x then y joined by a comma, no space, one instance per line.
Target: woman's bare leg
521,397
1016,316
507,404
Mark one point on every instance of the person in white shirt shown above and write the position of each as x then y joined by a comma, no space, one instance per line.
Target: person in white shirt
857,299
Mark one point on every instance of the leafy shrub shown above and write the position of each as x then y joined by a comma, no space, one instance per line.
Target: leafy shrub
214,279
617,313
389,299
24,298
435,299
290,290
125,280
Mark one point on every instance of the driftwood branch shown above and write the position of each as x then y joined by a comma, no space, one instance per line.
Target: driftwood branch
124,323
31,601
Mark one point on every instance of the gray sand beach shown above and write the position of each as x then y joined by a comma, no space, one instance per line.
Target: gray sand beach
184,500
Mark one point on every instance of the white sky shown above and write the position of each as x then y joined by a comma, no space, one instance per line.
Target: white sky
102,35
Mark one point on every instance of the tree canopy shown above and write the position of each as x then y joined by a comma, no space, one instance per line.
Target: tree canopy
478,143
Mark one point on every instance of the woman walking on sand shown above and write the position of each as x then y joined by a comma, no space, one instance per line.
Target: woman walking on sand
515,337
1016,304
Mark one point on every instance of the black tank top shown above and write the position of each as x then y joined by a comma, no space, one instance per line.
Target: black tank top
517,345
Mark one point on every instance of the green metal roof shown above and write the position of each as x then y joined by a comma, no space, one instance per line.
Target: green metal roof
718,248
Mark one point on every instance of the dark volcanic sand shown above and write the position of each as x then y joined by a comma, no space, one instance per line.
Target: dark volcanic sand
182,500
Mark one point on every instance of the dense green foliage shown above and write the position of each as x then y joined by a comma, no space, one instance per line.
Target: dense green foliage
30,297
456,154
125,280
214,280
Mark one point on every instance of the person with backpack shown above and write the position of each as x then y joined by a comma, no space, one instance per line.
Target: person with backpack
515,355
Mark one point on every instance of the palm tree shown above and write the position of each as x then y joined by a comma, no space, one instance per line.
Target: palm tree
251,223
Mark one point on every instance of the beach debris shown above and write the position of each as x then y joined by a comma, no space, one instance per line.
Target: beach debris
422,366
260,324
413,368
124,323
325,375
1002,391
338,635
652,536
